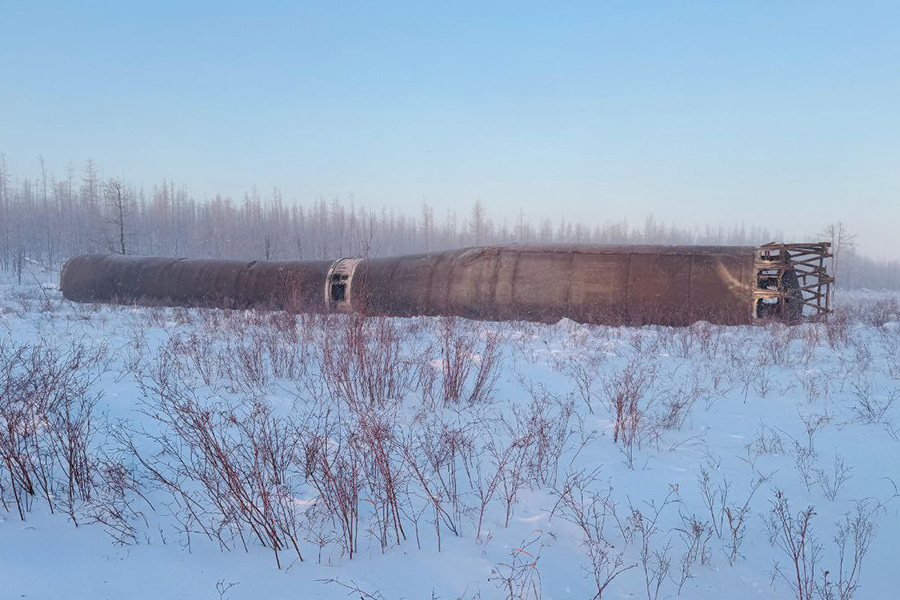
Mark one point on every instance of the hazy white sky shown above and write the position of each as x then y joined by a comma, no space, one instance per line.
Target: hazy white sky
784,114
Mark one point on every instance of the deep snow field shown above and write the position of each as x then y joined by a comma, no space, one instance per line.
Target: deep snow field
432,458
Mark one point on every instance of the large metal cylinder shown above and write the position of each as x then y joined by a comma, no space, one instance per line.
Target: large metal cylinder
668,285
118,279
590,284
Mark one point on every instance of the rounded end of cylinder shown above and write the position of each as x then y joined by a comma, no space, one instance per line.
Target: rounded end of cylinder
67,277
86,278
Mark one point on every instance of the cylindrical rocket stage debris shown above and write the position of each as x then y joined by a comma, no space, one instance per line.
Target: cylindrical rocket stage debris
613,285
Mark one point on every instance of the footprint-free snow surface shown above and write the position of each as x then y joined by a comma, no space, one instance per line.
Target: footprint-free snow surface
175,453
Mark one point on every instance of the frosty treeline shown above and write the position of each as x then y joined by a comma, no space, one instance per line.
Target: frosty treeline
45,219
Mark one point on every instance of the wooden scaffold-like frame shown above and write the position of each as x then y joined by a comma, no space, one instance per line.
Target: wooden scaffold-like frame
775,294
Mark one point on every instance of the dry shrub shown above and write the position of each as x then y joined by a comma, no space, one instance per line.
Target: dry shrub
545,426
47,425
334,468
792,534
728,518
592,511
470,361
776,345
366,361
374,432
889,342
695,533
881,311
231,472
520,577
644,526
678,396
870,406
855,534
629,402
837,328
437,455
583,368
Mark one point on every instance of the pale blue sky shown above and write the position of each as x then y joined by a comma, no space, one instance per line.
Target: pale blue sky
697,112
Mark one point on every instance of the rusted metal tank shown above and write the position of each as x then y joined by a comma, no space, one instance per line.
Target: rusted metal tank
118,279
668,285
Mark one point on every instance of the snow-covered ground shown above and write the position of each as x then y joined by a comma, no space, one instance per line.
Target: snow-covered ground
215,435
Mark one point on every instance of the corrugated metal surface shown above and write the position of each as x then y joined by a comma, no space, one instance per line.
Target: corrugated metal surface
671,285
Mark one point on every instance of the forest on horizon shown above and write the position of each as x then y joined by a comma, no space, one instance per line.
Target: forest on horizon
45,219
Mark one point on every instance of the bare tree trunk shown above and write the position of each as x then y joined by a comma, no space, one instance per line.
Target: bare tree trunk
118,197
